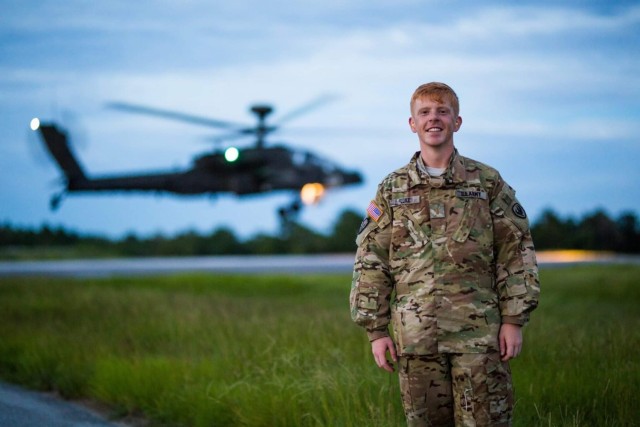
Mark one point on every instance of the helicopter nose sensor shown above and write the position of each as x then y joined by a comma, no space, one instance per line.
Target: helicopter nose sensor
311,193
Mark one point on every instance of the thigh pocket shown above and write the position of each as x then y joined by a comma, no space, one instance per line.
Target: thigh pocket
500,389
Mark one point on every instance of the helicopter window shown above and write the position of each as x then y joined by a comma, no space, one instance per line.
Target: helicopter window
320,162
299,158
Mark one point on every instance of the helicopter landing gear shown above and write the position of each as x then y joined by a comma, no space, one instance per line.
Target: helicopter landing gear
288,215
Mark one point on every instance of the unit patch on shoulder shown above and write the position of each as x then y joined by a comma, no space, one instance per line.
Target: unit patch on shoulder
374,211
364,224
518,210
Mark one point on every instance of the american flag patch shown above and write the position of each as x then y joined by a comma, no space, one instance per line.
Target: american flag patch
374,211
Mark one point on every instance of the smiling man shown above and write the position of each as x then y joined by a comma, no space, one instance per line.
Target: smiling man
445,257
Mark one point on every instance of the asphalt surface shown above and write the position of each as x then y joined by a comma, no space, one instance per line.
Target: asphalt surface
256,264
26,408
286,264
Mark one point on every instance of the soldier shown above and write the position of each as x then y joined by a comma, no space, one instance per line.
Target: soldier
445,255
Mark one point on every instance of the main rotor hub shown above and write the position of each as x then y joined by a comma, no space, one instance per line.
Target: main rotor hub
262,110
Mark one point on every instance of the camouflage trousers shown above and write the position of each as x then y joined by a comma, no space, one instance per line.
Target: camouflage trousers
456,389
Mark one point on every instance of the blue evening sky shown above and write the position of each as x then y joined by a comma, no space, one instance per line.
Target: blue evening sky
549,90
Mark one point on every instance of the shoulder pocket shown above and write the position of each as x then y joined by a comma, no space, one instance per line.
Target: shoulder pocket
367,226
507,206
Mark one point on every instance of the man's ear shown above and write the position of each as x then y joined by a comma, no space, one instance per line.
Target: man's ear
412,125
458,123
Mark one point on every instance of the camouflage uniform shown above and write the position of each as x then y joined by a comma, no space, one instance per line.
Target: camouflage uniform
446,260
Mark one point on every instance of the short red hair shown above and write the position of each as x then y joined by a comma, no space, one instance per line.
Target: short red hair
438,92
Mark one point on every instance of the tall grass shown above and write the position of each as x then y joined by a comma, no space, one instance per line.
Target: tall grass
581,365
204,350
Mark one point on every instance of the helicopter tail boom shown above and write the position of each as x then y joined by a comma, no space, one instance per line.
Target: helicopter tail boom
58,146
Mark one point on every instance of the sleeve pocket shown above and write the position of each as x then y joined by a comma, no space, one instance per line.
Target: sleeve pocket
516,286
368,298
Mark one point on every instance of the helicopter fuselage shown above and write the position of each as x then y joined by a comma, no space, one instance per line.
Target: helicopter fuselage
255,170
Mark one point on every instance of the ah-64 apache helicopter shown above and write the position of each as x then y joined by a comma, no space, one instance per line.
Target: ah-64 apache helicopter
260,168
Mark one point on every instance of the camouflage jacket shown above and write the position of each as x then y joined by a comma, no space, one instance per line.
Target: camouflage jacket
446,260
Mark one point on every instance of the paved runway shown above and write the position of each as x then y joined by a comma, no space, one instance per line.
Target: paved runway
290,264
24,408
250,264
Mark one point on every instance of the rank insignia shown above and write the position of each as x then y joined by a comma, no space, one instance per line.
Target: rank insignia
437,210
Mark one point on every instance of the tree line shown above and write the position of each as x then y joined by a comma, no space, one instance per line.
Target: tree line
593,231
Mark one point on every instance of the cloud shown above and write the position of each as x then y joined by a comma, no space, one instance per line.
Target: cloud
534,82
529,21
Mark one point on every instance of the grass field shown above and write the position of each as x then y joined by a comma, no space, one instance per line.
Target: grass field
204,350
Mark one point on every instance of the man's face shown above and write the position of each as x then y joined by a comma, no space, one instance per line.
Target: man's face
434,122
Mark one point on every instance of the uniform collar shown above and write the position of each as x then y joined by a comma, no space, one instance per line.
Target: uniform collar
455,172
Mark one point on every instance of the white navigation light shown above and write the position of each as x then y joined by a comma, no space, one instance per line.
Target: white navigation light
231,154
35,123
311,193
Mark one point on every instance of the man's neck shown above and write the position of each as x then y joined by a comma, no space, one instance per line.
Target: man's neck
436,157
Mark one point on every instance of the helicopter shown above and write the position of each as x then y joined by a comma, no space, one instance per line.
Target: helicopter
256,169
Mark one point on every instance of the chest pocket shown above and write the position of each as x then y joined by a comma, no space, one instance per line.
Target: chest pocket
471,233
410,232
470,211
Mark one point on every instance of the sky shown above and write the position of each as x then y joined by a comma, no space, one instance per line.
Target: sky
549,93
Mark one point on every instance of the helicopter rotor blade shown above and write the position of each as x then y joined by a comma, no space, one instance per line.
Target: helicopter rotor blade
309,106
227,137
174,115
